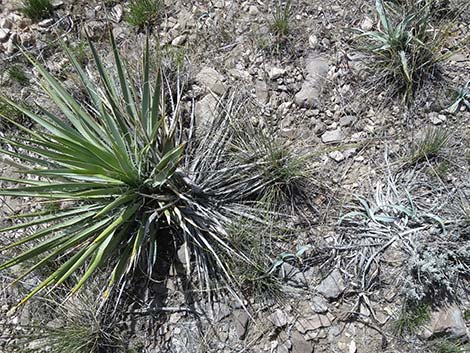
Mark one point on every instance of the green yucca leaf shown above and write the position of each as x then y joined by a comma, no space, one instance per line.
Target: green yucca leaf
126,177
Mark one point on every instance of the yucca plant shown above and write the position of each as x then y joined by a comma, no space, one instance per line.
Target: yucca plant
406,48
128,173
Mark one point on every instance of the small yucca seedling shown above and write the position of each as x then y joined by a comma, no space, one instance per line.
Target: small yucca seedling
406,49
431,144
463,99
129,174
143,12
37,9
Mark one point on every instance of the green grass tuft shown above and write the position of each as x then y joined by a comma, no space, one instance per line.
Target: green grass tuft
17,74
411,319
37,9
143,12
431,144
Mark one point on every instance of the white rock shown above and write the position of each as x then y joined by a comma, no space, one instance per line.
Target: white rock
211,79
332,136
367,24
336,156
253,11
313,41
332,286
179,40
4,34
46,23
276,72
205,111
278,318
317,71
436,118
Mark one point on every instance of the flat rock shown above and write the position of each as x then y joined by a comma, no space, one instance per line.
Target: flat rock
337,156
4,35
332,136
276,72
205,111
241,320
319,304
309,95
449,321
310,323
278,318
332,286
300,344
212,80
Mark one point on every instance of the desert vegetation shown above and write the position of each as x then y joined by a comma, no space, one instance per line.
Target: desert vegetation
223,176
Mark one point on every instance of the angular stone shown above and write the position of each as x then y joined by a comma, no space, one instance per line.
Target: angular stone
211,79
310,93
336,156
299,344
4,34
278,318
449,321
205,111
319,305
310,323
332,286
332,136
241,320
276,72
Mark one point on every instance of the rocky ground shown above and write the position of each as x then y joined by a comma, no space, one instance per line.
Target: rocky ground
410,233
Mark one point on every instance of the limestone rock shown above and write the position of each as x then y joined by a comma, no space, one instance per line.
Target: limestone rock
241,320
332,286
332,136
212,80
449,321
278,318
310,93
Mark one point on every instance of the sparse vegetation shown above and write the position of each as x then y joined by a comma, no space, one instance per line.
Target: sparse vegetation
125,186
17,74
444,345
462,99
143,12
280,25
406,49
37,9
411,319
432,142
79,326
